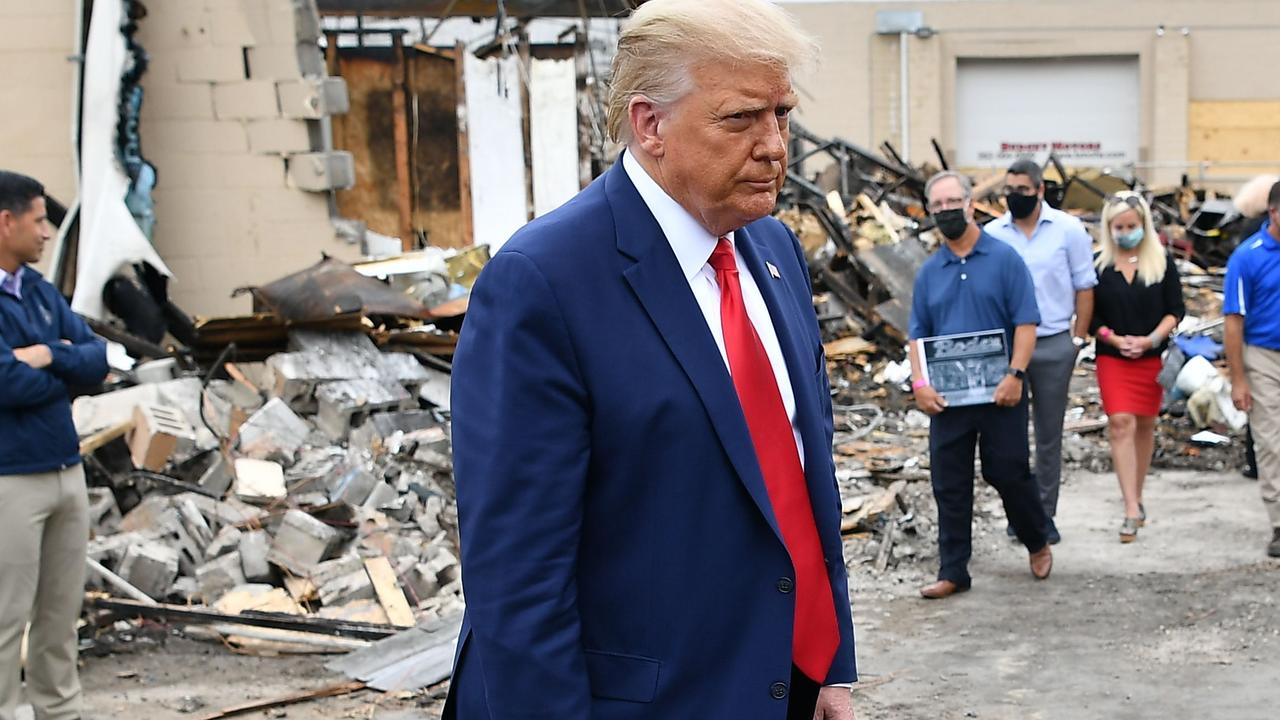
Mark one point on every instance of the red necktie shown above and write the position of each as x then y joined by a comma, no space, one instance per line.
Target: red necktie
816,634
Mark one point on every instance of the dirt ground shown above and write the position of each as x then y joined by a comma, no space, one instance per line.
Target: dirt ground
1184,623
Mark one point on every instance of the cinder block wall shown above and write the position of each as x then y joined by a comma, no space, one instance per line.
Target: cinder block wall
36,42
227,213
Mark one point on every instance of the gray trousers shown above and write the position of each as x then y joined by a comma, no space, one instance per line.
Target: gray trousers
1049,375
44,528
1263,368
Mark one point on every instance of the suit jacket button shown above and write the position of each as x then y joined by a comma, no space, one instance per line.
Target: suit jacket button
778,690
785,585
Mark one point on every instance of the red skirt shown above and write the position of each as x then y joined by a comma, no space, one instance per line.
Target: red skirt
1129,386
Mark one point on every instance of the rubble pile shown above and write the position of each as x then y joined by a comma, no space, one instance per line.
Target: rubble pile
317,483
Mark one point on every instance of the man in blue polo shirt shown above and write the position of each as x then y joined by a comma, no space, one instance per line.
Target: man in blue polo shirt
44,515
975,283
1059,253
1252,308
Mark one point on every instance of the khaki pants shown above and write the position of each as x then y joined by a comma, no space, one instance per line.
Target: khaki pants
1263,368
44,528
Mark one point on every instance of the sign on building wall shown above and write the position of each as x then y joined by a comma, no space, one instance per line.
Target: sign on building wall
1085,111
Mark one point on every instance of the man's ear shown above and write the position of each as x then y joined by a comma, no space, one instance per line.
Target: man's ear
646,125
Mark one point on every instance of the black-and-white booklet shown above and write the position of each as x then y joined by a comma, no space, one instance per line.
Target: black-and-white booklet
965,368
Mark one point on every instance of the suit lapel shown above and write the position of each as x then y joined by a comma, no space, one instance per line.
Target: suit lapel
659,284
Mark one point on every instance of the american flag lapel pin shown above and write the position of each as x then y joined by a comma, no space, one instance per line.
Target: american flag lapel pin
773,270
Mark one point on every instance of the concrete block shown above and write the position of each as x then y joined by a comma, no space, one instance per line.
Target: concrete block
343,589
322,171
245,100
313,98
382,495
154,514
275,431
174,100
227,540
279,136
219,575
218,478
383,425
193,521
353,487
259,481
151,567
110,549
254,549
159,434
274,62
211,64
301,542
422,583
231,26
167,137
346,403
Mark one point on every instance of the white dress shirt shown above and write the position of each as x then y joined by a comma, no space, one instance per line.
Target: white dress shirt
693,245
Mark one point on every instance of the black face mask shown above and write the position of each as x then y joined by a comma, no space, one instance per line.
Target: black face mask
1021,206
951,223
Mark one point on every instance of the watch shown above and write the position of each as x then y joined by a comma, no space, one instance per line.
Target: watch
1020,374
1078,341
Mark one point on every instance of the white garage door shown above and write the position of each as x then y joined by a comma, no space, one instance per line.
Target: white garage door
1084,110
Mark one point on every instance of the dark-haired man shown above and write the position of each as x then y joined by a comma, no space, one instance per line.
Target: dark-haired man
1059,253
1252,309
44,523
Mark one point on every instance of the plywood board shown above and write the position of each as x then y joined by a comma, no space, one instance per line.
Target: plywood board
433,147
367,131
1223,132
553,106
387,588
496,148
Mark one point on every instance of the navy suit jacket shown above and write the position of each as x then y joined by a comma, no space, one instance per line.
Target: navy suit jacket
620,558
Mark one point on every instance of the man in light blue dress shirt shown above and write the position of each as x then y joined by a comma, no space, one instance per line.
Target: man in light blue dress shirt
1059,252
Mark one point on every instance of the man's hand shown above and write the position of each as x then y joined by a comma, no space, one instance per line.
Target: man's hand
1008,392
929,401
37,356
1240,395
834,703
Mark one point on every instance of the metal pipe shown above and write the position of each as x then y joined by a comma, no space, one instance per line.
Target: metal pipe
904,95
119,583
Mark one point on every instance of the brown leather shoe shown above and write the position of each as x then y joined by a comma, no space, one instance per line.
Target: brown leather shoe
1042,563
941,589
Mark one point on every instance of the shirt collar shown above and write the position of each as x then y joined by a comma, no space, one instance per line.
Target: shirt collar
690,241
12,286
979,248
1268,241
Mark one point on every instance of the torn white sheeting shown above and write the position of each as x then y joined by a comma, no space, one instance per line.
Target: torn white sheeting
553,130
109,236
495,138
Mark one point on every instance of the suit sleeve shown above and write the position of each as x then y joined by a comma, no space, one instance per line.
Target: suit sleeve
844,666
22,386
521,451
84,362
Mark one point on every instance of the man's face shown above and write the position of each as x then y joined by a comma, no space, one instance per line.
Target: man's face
1022,185
948,194
23,235
723,147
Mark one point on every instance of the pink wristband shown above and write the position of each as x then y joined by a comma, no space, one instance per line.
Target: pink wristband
919,384
1104,333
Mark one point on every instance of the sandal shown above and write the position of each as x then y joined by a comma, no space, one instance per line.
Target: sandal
1142,515
1129,530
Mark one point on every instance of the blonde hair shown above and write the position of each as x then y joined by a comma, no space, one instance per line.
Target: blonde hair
664,39
1151,254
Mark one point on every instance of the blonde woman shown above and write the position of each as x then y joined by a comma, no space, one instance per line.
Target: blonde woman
1138,303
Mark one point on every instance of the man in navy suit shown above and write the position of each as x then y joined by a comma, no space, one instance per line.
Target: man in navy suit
641,417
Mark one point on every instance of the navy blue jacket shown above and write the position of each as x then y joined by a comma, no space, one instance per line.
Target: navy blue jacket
620,556
36,432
